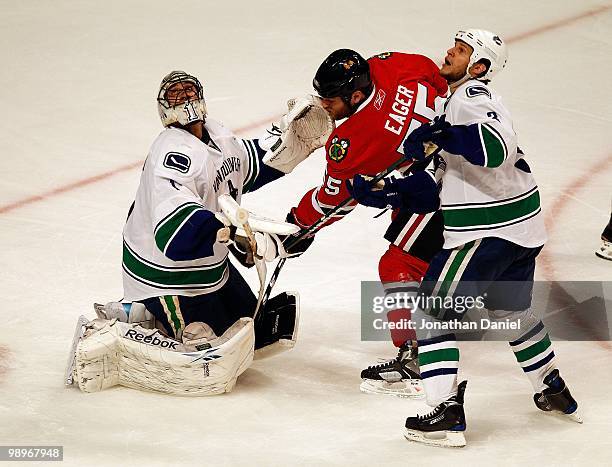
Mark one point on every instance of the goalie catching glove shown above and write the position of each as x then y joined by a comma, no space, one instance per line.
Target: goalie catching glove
303,129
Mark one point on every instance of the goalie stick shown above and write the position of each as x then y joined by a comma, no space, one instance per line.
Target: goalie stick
242,216
430,151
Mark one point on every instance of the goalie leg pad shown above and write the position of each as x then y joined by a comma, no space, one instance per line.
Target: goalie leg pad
276,326
115,353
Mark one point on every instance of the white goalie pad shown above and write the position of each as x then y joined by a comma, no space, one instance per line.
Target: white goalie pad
230,208
113,353
305,128
78,335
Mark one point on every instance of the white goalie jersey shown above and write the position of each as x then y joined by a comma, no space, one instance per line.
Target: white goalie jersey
164,251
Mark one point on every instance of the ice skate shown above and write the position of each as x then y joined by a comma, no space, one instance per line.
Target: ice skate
557,398
444,426
398,377
605,250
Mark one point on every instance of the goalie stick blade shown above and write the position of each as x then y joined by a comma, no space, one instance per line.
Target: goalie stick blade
230,207
78,334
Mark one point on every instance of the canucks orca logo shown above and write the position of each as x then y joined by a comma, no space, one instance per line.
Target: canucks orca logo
338,149
474,91
384,55
177,161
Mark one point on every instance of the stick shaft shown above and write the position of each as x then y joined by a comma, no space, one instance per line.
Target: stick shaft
242,216
326,217
430,151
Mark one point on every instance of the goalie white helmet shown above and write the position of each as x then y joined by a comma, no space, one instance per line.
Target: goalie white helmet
488,46
181,99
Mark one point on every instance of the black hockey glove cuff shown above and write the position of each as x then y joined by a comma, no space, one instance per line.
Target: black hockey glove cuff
292,247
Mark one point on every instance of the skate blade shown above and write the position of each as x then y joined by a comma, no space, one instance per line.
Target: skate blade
413,389
575,417
444,439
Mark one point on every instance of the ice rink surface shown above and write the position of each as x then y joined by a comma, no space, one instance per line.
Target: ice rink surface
77,88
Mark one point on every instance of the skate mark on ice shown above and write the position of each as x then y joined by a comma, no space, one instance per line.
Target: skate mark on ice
5,356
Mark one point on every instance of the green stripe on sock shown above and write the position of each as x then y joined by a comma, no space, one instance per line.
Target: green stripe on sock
442,355
533,350
447,280
173,316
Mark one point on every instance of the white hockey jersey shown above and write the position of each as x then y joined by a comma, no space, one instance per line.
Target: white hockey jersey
181,180
494,194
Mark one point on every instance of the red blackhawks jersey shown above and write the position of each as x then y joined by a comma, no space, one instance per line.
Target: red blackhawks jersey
408,91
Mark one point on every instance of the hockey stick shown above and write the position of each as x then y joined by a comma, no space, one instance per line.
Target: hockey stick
242,216
430,152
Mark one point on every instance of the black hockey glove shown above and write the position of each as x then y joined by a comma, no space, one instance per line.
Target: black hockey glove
367,194
417,192
414,145
302,245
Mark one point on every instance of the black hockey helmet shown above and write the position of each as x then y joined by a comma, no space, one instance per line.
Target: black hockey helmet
342,73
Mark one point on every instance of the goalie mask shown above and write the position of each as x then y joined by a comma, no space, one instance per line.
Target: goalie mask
181,99
487,46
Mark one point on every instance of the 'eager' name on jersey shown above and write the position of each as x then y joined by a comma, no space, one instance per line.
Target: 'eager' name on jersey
402,107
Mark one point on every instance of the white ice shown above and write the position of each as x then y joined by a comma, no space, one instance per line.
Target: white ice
77,87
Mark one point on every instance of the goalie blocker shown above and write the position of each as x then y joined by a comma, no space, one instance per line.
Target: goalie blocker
276,325
106,353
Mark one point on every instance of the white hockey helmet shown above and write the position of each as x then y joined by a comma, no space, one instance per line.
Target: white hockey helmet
486,45
188,111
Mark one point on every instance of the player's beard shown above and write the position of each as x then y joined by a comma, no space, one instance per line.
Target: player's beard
450,75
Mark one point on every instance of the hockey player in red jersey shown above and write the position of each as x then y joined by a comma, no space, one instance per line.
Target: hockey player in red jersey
376,104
